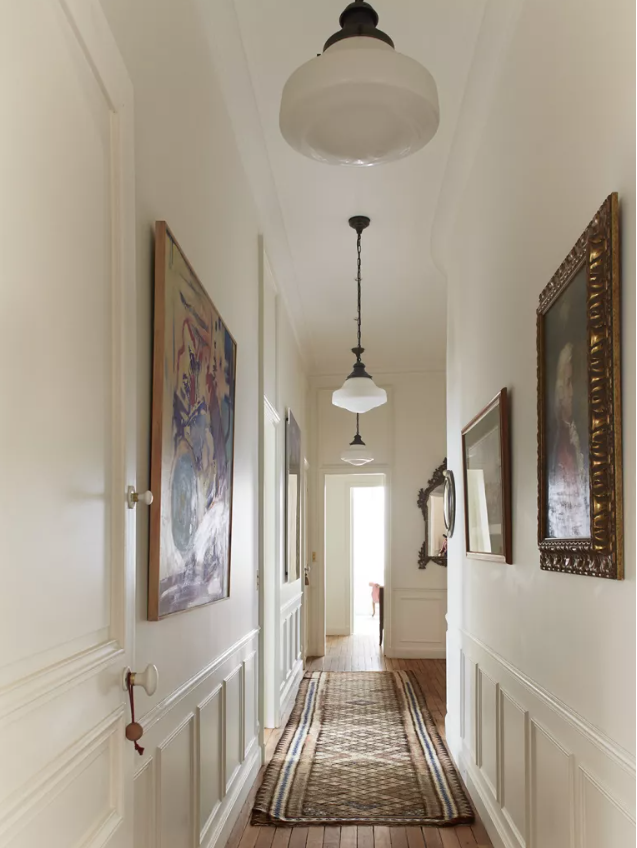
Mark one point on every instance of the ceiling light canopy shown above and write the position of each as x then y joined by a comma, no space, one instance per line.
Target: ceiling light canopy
359,393
357,453
359,102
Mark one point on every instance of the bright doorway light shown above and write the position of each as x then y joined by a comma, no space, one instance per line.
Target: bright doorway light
368,555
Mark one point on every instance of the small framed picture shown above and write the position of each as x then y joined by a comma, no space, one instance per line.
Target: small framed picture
487,482
293,494
580,528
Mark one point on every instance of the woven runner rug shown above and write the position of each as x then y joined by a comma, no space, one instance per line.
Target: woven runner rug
361,748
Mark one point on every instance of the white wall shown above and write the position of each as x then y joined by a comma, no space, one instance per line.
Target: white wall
541,666
407,436
337,555
201,725
285,387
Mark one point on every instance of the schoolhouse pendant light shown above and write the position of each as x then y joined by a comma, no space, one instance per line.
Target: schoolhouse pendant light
357,453
359,102
359,393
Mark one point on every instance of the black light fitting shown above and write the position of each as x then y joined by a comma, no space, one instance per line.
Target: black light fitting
358,19
357,440
359,223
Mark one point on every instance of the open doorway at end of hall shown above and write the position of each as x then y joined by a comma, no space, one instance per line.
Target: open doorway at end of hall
355,527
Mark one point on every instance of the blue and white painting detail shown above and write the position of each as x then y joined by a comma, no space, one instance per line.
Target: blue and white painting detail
197,443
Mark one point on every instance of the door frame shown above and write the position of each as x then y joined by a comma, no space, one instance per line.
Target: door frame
319,609
269,579
307,559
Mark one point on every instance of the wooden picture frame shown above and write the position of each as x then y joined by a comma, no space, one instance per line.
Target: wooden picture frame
192,439
579,452
487,483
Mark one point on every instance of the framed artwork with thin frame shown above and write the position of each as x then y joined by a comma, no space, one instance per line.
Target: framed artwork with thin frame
487,482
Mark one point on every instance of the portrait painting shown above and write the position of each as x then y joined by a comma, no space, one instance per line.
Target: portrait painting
192,442
292,498
566,405
580,528
487,484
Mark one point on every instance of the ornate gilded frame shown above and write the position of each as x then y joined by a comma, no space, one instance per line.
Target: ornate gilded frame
437,479
602,555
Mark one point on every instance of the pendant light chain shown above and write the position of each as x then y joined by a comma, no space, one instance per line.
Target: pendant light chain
357,432
358,281
359,393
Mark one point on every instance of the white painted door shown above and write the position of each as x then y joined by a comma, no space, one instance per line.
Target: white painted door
67,371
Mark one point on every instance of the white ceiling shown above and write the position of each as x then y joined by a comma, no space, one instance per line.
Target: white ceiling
305,205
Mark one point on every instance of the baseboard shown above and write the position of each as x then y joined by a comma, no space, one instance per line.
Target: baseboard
339,631
416,653
235,799
288,694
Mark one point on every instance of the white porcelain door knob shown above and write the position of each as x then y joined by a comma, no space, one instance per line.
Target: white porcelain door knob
134,497
147,679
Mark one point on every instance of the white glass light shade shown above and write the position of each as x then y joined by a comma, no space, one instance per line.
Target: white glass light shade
357,455
359,394
359,103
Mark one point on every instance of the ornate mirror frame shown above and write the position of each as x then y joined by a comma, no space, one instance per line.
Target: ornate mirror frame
437,479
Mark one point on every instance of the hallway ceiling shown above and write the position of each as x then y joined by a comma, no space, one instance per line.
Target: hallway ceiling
304,206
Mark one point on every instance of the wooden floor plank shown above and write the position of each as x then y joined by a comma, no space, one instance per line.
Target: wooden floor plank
398,837
315,836
432,837
348,837
480,833
381,837
415,838
281,837
249,837
365,837
265,837
466,837
332,837
449,838
298,838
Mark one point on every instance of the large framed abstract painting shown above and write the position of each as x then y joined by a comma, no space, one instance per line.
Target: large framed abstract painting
192,443
580,526
487,482
292,498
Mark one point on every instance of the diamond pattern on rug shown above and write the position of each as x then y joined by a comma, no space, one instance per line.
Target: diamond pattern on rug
361,748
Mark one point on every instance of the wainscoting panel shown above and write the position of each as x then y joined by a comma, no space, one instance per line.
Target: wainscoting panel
175,759
513,758
488,745
291,652
78,804
539,773
419,625
211,761
603,821
552,792
469,714
201,755
144,789
233,706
